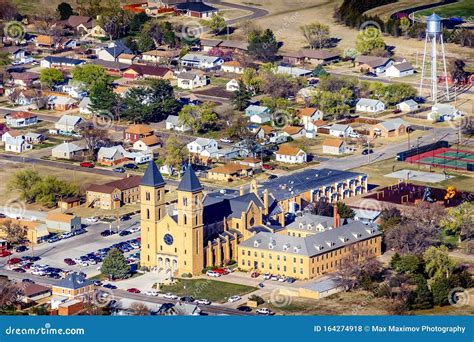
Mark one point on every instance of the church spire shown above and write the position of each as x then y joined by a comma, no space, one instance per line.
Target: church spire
190,182
152,176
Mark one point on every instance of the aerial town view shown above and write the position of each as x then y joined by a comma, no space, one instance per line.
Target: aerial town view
236,158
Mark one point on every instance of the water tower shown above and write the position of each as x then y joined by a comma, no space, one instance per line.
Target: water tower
434,47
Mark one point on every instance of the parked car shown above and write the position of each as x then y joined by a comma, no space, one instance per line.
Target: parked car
212,274
367,151
66,235
14,261
244,308
221,271
233,299
125,218
267,167
151,293
107,232
21,249
203,301
19,270
92,220
226,140
118,169
109,286
69,261
53,239
187,299
272,176
125,232
291,280
97,283
80,231
86,164
170,296
267,276
255,275
130,166
5,253
264,311
133,290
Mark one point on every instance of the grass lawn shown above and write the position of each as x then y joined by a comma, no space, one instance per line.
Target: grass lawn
215,291
462,8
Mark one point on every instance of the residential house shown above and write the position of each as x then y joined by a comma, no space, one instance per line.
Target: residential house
252,162
196,9
62,223
232,67
115,194
149,143
408,106
255,109
60,62
444,112
290,154
74,287
31,292
112,68
84,106
10,133
230,172
148,71
25,97
112,52
317,56
127,58
25,78
208,44
260,118
293,71
172,124
16,53
203,147
376,65
160,56
232,85
112,155
198,61
45,41
21,119
69,151
68,124
135,132
62,103
389,128
34,138
294,132
308,117
17,144
340,131
334,146
190,80
370,106
399,70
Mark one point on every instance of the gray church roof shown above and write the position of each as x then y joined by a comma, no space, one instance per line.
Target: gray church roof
190,182
152,176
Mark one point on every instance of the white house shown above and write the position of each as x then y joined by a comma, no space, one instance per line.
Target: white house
308,117
370,106
34,138
204,147
260,118
400,70
149,143
408,106
67,150
334,146
340,131
84,106
232,85
172,124
291,155
113,51
21,119
17,144
190,80
194,60
444,112
60,62
232,67
254,109
68,123
293,71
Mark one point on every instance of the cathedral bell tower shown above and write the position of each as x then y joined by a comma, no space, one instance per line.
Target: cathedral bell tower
152,207
190,222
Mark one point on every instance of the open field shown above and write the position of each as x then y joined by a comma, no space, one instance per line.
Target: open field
385,11
215,291
463,9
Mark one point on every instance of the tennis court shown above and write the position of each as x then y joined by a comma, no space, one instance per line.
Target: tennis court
444,158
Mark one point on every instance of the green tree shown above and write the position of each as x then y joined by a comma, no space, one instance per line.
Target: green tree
369,39
198,117
102,98
404,25
459,221
332,103
423,298
136,105
316,34
241,97
319,71
398,92
23,181
263,45
51,76
259,300
115,265
50,189
90,75
216,23
252,80
64,10
438,264
345,211
407,264
440,289
145,42
175,152
137,22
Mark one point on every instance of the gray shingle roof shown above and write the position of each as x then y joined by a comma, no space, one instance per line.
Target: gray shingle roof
74,281
152,176
190,182
393,124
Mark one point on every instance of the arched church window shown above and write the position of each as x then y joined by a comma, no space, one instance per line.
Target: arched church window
147,196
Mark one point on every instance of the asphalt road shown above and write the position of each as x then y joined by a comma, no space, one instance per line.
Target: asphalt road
256,12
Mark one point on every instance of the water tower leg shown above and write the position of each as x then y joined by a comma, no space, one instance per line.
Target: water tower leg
444,66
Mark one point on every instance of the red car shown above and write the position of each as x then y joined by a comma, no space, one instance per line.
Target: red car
86,164
221,271
255,275
69,261
14,261
267,167
133,290
5,253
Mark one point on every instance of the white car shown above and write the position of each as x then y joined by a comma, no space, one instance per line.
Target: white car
83,263
170,296
203,301
92,220
151,293
66,235
134,229
77,260
275,278
226,140
354,135
38,272
267,276
233,299
282,279
264,311
212,274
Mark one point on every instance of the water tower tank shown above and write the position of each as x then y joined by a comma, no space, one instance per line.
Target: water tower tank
433,24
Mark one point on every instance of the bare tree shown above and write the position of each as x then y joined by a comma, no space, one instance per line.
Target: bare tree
412,236
139,309
12,231
9,293
95,138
